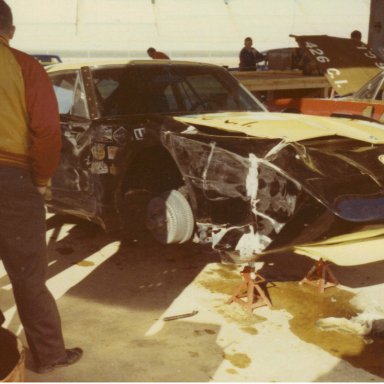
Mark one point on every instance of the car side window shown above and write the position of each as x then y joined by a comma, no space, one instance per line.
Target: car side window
70,94
380,92
63,85
80,107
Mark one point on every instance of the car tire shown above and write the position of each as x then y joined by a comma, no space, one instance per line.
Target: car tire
169,218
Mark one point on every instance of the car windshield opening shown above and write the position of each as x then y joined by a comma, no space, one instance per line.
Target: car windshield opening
169,89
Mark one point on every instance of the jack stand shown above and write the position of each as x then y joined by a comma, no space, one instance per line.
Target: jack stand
250,289
321,276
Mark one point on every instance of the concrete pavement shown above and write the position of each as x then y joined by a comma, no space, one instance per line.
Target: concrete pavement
113,298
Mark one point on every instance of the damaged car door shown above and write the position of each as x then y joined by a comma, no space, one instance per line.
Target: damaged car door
72,185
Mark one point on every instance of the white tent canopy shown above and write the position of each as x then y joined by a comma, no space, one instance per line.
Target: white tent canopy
181,28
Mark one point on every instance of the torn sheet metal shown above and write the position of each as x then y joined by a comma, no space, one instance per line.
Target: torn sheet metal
262,195
234,192
346,64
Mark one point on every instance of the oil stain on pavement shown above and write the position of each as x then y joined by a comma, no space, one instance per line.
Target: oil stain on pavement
239,360
362,353
306,306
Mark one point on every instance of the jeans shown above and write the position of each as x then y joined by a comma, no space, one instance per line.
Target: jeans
23,252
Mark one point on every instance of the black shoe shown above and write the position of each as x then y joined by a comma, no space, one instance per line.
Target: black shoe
73,356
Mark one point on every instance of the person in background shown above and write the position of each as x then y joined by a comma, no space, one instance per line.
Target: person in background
249,56
156,54
30,143
356,36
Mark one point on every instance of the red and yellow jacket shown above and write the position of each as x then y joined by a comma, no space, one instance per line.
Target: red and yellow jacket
29,118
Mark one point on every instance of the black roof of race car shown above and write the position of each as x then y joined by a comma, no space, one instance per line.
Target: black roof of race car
111,63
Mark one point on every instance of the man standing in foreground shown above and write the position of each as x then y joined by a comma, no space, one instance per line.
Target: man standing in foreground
30,143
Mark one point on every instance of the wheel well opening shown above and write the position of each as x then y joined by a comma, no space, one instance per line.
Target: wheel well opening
153,170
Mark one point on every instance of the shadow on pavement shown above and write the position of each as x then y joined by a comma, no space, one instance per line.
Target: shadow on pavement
109,312
292,267
369,360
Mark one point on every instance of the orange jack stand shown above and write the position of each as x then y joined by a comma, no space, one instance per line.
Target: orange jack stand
250,288
320,276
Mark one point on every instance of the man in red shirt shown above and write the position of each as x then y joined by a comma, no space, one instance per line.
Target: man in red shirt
30,143
156,54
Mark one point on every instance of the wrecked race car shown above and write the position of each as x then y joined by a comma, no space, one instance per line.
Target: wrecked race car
366,103
185,151
354,72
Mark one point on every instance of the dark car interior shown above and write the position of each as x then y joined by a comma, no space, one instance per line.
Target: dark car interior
145,89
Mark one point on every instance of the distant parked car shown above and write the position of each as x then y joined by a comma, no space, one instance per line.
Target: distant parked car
291,58
46,59
183,150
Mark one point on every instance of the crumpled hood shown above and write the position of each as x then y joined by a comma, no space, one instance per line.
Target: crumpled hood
345,171
289,127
